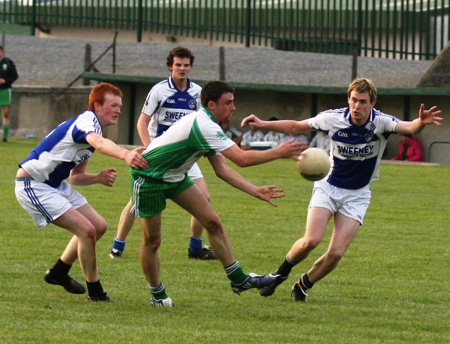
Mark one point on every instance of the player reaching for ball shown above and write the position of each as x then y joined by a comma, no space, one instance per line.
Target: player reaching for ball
358,135
170,156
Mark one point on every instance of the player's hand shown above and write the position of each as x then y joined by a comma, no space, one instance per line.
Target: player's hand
430,116
252,121
134,159
108,177
291,149
266,193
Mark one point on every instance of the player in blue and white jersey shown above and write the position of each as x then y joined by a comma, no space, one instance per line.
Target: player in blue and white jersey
358,135
42,191
167,102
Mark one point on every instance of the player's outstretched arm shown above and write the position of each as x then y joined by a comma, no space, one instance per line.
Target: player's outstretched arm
430,116
282,126
244,158
269,192
426,117
253,121
105,146
226,173
134,158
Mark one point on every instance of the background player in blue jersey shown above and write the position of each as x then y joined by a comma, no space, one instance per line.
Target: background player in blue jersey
167,102
358,138
42,191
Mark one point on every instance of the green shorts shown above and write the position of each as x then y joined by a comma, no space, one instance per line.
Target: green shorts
149,195
5,96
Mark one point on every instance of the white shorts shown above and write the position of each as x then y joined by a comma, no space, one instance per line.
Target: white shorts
195,172
45,203
351,203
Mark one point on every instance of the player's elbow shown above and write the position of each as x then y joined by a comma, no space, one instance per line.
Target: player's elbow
99,144
73,180
76,179
221,172
242,161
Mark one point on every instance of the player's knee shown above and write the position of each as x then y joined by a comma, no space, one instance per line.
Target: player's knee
152,242
207,195
101,228
88,233
311,243
214,225
335,255
155,243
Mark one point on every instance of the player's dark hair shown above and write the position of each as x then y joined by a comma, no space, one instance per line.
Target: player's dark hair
213,90
99,92
179,52
363,85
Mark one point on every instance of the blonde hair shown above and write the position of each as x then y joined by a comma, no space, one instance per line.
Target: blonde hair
363,85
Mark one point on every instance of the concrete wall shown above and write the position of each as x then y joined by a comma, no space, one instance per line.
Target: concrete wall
37,110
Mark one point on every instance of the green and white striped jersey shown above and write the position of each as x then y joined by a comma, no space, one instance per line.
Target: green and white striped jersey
172,154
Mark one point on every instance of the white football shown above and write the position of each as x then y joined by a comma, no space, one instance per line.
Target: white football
313,164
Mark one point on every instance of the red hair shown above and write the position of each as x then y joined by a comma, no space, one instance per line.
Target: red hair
99,92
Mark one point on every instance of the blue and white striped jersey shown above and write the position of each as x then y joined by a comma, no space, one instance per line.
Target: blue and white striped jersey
64,148
355,151
166,104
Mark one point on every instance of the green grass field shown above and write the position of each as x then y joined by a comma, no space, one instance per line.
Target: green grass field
391,287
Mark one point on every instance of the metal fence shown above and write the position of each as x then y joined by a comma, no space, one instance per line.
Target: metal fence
399,29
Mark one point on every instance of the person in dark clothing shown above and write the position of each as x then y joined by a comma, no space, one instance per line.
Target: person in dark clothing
8,74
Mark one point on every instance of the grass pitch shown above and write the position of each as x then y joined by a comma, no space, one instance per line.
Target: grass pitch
391,287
